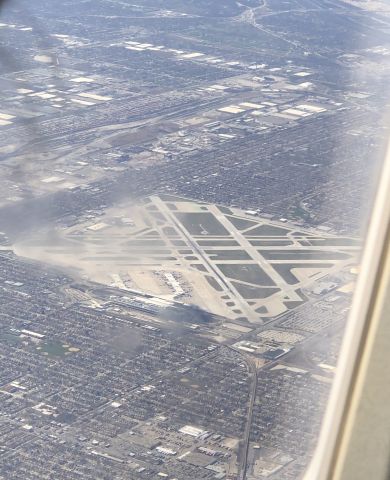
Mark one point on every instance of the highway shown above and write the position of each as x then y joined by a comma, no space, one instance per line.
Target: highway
243,457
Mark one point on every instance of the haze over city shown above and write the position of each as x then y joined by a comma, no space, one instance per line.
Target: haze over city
184,190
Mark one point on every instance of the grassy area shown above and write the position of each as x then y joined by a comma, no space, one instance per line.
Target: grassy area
213,283
267,231
241,223
228,255
248,292
218,243
249,273
284,270
201,223
292,254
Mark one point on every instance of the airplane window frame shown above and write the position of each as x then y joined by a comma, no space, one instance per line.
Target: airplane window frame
352,409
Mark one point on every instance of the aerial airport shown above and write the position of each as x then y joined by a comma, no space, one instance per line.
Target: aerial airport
181,224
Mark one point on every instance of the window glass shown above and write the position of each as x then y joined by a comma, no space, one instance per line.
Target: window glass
185,190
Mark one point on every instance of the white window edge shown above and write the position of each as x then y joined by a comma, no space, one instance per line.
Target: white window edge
323,463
